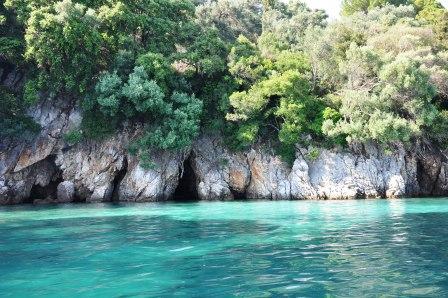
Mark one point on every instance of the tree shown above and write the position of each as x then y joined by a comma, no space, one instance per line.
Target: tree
285,25
436,15
11,37
171,122
282,101
14,123
246,63
53,38
398,109
350,7
231,18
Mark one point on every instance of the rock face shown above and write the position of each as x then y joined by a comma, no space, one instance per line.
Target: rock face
48,170
92,168
66,192
259,174
156,184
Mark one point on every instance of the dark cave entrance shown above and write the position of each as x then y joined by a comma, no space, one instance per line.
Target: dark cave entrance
186,190
238,196
117,181
49,191
39,192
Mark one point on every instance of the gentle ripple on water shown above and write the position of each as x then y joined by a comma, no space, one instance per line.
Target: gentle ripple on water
249,249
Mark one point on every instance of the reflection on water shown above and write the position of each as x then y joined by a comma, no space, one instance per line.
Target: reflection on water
253,249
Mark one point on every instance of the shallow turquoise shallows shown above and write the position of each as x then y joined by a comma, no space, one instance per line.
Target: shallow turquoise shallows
248,249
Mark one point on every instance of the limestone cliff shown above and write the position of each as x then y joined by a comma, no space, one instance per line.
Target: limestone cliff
47,169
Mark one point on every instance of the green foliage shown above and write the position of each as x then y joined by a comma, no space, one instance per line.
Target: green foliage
313,154
14,123
281,100
206,55
170,122
179,128
247,133
245,62
251,70
10,47
73,137
11,36
439,129
215,96
352,6
31,92
285,25
53,37
96,125
231,18
158,67
436,15
143,95
398,110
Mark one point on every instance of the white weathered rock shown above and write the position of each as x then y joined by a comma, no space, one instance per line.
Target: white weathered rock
148,185
259,174
301,187
53,118
16,186
218,173
269,176
66,192
345,175
98,171
92,167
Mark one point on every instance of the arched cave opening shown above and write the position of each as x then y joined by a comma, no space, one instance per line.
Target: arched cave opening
186,190
49,191
238,196
117,181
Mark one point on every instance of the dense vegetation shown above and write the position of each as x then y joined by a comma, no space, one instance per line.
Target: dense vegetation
251,70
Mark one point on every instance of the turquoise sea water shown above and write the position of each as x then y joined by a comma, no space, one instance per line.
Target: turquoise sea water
372,248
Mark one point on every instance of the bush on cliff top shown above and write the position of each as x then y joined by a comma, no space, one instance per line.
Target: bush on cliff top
252,70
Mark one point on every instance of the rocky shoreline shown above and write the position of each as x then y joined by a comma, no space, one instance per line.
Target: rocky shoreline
48,170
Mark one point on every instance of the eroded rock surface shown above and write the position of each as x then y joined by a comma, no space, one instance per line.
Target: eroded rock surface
155,184
259,174
66,192
98,171
48,170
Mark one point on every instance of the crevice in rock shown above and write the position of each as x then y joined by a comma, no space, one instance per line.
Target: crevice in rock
49,191
429,165
118,179
186,189
6,68
238,195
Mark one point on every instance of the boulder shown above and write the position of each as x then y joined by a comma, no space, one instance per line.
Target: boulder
157,183
66,192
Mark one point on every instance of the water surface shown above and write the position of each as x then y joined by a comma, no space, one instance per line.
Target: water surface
250,249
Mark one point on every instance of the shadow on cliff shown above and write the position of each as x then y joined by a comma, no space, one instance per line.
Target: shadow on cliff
186,190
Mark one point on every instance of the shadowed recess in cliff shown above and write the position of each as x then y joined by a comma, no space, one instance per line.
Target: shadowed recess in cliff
5,69
238,195
187,188
48,191
118,179
429,166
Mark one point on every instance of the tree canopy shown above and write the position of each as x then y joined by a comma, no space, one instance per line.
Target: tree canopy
253,71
